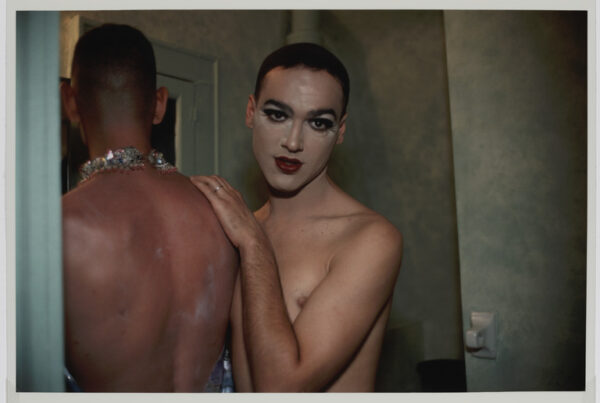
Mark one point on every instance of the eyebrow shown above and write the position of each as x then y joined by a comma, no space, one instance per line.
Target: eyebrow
320,112
312,114
278,104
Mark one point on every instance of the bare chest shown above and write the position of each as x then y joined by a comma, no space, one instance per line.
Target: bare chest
303,259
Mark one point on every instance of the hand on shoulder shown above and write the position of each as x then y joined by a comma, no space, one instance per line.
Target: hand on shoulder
237,220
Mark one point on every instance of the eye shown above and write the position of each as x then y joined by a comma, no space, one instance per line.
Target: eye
321,124
275,115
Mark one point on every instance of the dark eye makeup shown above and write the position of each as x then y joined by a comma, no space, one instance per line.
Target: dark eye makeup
275,115
321,124
318,124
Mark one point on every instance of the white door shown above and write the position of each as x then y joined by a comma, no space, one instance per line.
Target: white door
191,80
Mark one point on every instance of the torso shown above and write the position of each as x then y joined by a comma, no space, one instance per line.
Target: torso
305,251
149,275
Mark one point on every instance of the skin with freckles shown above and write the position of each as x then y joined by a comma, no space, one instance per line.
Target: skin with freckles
148,271
317,268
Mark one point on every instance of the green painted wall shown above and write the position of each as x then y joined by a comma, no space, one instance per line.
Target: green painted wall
518,102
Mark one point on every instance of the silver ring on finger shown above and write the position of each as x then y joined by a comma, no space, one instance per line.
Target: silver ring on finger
218,188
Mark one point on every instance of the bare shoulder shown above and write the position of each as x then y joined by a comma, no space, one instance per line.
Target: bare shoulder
82,213
365,224
376,232
183,197
140,221
370,237
88,226
119,204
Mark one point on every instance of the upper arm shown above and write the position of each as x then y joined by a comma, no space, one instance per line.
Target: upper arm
343,309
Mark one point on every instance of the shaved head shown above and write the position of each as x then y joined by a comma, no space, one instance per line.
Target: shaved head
113,66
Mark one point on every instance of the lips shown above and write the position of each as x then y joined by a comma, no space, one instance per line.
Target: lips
288,165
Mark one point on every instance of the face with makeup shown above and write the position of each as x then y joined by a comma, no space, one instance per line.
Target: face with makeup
296,122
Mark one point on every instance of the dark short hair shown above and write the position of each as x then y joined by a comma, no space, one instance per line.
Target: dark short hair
114,57
306,55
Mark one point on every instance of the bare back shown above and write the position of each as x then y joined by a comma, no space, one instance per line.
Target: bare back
148,276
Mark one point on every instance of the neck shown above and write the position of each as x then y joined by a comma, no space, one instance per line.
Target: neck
102,137
303,203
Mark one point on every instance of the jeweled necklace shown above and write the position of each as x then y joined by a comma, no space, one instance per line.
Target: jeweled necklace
124,159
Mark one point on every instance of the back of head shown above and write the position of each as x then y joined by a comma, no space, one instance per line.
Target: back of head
307,55
114,61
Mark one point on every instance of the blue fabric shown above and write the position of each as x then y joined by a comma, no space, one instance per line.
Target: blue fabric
227,386
70,382
221,377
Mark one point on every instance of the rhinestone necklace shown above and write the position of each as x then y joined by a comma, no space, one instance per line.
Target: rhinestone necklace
124,159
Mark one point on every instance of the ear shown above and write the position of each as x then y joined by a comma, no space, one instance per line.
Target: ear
162,96
67,94
250,110
342,130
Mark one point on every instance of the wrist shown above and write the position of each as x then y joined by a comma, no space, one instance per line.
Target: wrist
255,245
253,242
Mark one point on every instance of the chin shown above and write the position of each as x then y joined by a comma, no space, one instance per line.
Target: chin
284,187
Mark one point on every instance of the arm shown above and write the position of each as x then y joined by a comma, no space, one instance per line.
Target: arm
339,314
305,355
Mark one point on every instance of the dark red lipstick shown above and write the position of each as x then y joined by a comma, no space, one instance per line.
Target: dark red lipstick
288,165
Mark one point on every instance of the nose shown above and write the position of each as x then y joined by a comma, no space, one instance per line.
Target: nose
294,140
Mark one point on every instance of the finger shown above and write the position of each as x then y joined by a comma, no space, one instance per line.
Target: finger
222,182
217,188
219,181
200,179
221,190
207,182
206,186
222,186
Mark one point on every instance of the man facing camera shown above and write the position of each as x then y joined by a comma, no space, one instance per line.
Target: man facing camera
148,270
318,268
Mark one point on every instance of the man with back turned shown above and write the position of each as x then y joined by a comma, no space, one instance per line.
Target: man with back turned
148,270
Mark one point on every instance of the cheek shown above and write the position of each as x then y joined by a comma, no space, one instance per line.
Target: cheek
263,145
321,146
259,139
266,134
256,145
